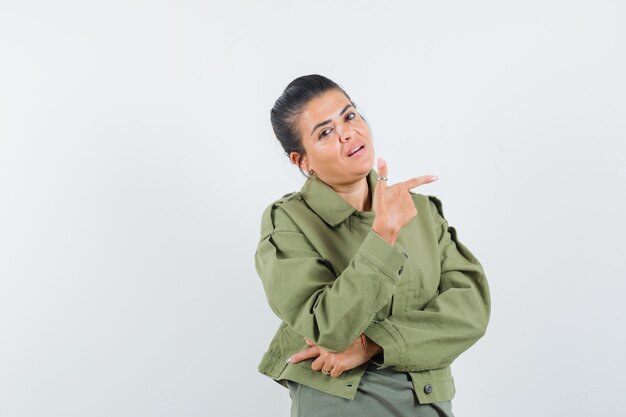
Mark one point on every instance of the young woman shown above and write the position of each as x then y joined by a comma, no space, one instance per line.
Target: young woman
376,294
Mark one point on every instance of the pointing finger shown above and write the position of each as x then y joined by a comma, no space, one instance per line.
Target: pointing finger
414,182
311,352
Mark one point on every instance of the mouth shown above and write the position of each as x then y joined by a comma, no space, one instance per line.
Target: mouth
356,150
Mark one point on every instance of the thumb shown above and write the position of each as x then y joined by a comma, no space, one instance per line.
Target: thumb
382,171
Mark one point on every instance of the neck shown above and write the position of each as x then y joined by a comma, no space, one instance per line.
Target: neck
358,194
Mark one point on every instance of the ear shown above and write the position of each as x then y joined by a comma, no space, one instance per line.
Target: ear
304,163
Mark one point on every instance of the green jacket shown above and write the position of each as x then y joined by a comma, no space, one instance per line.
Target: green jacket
329,277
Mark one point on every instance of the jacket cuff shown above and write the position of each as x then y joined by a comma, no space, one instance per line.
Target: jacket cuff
383,255
378,359
394,347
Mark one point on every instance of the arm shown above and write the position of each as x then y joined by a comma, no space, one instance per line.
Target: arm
304,292
450,323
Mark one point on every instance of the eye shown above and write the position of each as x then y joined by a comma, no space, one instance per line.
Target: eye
322,133
350,116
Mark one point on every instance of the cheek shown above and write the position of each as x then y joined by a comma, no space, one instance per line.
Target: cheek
363,129
323,152
364,133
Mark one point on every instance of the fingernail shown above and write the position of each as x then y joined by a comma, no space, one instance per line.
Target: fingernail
434,177
290,359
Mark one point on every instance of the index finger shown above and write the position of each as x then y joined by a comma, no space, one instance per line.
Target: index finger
305,354
414,182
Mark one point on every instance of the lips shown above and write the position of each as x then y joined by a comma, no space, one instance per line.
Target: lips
356,147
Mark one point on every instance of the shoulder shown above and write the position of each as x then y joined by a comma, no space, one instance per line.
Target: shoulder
431,203
275,218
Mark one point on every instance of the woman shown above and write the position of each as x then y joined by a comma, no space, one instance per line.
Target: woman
376,294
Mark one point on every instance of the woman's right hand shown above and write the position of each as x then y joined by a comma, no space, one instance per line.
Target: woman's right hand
393,205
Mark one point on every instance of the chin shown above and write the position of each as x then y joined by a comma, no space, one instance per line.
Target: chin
368,163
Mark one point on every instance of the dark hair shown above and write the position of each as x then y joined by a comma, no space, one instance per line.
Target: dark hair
290,105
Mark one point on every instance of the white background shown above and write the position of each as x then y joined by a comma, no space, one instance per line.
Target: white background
137,155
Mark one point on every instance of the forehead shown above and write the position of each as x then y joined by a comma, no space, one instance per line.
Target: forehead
324,107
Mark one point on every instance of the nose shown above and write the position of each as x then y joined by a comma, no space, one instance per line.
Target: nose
344,134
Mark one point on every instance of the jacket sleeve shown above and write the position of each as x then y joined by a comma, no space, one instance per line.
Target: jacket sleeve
450,323
304,292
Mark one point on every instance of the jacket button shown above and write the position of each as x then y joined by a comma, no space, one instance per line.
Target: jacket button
401,269
428,388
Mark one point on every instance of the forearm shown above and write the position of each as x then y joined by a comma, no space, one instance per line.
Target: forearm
330,311
435,336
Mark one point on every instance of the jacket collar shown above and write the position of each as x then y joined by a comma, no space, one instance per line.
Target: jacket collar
325,201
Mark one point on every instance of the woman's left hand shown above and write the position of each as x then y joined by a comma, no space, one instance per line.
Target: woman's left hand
334,362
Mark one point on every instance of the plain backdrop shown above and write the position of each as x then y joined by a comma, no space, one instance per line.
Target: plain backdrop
137,155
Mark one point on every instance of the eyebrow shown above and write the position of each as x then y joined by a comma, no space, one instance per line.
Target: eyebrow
328,121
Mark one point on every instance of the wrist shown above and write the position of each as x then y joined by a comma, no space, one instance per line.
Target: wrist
371,348
389,235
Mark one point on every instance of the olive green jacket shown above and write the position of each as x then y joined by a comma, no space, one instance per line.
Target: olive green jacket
330,277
